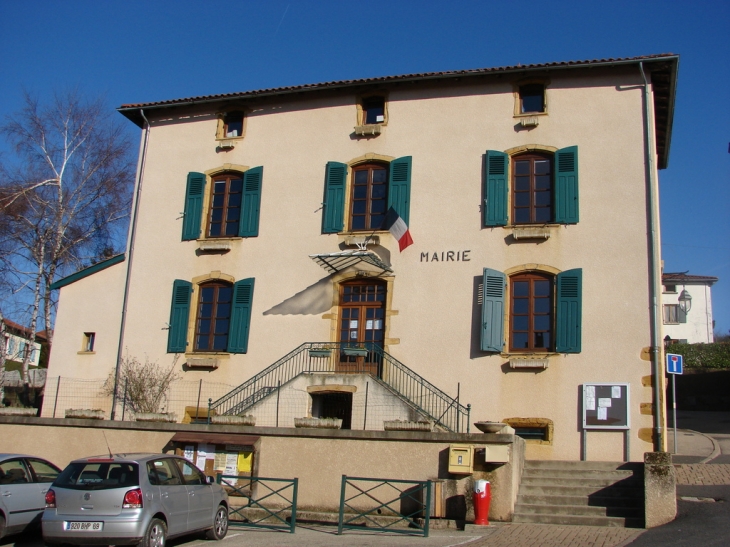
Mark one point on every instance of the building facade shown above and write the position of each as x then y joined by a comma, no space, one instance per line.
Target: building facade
259,232
693,324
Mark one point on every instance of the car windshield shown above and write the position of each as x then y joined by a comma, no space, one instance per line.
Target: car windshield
98,475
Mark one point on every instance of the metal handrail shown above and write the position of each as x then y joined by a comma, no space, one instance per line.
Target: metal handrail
432,402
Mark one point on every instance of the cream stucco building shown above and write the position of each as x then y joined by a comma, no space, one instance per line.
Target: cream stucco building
529,192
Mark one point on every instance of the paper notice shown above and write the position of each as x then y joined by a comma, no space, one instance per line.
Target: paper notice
369,324
604,402
220,461
615,392
231,463
189,453
602,413
590,391
590,403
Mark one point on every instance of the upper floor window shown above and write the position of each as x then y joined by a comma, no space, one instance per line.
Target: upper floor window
369,197
373,110
532,189
531,98
225,205
673,314
531,317
234,202
374,189
233,124
214,315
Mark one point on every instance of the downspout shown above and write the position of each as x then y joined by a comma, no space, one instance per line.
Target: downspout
654,262
130,255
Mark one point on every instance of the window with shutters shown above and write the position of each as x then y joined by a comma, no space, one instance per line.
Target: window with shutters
233,204
540,311
531,188
358,201
220,319
672,314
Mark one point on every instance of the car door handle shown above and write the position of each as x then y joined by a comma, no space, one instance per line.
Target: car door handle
6,494
191,493
164,495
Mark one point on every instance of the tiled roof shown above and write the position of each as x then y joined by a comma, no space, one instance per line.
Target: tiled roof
683,277
663,79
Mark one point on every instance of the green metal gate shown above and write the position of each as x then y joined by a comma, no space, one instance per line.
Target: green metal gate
389,505
273,499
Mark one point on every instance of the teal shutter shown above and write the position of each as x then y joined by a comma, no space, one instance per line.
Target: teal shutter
192,217
566,185
493,310
177,335
569,311
495,188
248,225
240,316
399,187
333,208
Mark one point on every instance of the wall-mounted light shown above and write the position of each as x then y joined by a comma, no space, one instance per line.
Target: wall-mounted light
685,301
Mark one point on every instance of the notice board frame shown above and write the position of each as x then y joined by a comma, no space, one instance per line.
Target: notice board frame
619,411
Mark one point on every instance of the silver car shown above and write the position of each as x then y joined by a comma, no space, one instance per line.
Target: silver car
129,499
24,481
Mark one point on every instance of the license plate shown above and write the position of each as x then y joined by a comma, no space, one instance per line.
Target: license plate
84,526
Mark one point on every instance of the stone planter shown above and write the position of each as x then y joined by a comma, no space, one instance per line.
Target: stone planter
326,423
357,352
234,420
85,413
320,352
17,411
490,427
155,417
407,425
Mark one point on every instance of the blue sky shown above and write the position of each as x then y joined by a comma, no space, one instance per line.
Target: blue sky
137,51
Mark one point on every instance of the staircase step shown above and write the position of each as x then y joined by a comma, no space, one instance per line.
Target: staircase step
590,500
559,490
579,520
594,482
580,510
580,465
614,474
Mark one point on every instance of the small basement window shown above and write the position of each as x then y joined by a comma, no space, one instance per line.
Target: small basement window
533,430
533,433
532,98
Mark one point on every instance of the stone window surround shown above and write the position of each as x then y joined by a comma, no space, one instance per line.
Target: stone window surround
545,82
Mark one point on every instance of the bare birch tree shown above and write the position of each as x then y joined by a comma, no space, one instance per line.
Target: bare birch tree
64,198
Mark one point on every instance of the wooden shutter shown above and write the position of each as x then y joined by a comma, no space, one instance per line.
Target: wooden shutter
248,225
333,208
399,187
493,310
192,217
177,335
569,311
495,188
566,185
240,316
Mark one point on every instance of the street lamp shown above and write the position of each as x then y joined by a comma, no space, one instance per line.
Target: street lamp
685,301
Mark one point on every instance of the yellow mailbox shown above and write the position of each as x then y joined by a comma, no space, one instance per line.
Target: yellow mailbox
461,459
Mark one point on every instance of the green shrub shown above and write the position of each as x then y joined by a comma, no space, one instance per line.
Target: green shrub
715,356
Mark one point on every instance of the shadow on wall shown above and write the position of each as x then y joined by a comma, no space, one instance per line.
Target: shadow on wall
313,300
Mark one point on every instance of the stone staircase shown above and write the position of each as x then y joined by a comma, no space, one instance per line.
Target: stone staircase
582,493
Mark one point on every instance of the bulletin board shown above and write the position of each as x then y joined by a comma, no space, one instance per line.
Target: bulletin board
606,406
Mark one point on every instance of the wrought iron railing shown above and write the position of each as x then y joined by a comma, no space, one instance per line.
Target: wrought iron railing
364,358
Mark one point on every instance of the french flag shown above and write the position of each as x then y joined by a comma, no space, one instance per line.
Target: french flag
398,227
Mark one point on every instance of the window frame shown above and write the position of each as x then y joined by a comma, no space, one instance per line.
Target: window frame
667,316
528,83
228,177
531,156
222,125
362,100
370,167
530,277
214,317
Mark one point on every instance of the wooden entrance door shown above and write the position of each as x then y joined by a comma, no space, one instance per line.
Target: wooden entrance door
362,323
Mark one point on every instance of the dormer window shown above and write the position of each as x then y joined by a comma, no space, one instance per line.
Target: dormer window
233,125
373,110
532,99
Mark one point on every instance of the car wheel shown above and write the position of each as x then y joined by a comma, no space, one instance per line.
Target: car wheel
155,535
220,524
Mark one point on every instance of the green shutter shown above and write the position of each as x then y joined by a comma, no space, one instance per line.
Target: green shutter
248,225
399,187
493,310
568,320
192,217
566,185
240,316
333,208
495,188
177,335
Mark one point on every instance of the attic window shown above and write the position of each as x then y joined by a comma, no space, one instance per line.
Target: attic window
373,110
532,98
233,125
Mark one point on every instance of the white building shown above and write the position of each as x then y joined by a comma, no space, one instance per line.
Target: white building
694,326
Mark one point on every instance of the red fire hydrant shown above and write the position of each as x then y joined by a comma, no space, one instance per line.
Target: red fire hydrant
482,499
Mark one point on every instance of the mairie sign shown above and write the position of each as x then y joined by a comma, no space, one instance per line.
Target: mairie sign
674,363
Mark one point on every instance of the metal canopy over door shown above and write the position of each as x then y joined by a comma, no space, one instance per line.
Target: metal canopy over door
362,325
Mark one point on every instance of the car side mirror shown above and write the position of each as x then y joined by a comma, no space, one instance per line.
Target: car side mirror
210,480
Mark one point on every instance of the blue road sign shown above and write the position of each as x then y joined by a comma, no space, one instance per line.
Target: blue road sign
674,363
